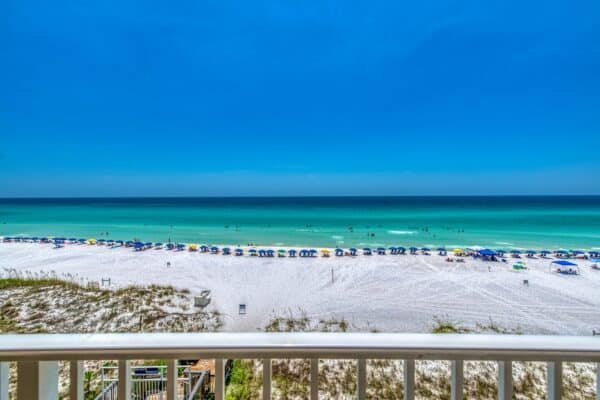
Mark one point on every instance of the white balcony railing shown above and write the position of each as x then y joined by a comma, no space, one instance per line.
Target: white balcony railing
37,371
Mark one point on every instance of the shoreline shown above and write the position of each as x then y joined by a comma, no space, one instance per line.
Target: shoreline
431,248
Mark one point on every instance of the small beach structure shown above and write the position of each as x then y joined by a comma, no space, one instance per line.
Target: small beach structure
487,254
458,252
292,253
595,264
393,250
226,251
312,253
158,246
413,250
401,250
594,254
214,250
270,253
339,252
204,248
367,251
381,251
515,253
180,246
519,266
90,241
281,253
325,253
442,251
253,252
239,252
170,246
561,253
544,253
262,253
352,252
425,251
193,247
138,246
565,267
531,253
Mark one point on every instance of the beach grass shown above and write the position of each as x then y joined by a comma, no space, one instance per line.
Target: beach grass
14,283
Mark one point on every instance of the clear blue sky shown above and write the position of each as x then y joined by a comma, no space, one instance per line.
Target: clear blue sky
139,98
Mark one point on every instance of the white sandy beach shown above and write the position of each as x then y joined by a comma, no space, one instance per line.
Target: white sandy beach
387,293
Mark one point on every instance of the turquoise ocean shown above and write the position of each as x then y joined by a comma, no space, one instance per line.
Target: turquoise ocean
497,222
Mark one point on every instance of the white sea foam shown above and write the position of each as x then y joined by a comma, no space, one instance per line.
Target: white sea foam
401,232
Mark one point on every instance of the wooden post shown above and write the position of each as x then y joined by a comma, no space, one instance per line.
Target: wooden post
172,380
505,380
456,388
220,379
554,380
362,379
37,380
409,379
267,374
314,379
4,369
76,380
124,388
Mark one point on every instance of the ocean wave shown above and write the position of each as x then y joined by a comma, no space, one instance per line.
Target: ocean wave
336,237
401,232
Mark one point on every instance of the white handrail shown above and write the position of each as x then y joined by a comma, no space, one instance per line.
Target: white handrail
298,345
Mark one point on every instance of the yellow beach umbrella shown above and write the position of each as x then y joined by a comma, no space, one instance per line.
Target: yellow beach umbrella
325,251
458,250
193,247
92,241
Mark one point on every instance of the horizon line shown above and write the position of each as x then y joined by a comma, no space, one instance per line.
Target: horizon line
294,196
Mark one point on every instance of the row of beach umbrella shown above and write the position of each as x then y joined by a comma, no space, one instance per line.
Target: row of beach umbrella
140,246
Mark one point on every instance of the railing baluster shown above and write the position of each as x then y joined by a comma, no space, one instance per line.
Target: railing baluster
124,388
456,387
554,380
362,379
505,380
219,379
37,380
314,379
172,379
76,380
4,368
409,379
267,379
598,381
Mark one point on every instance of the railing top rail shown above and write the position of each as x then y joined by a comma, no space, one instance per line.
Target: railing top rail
298,345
